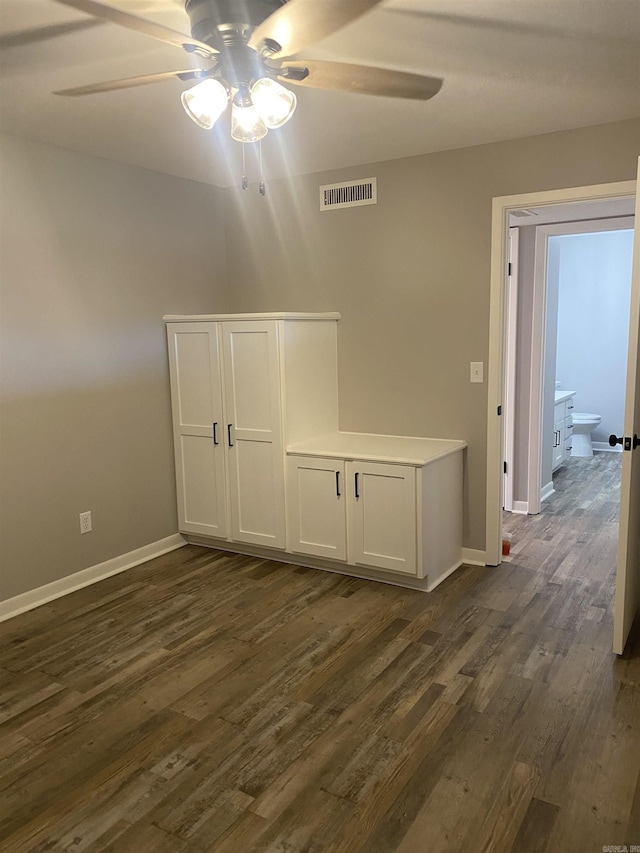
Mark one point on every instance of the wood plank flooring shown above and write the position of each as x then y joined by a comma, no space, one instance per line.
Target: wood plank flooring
212,702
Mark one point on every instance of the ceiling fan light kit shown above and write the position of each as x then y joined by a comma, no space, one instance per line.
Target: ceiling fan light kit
246,122
205,102
247,44
265,106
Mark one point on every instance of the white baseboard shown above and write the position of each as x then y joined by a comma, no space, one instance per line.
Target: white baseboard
547,491
473,557
520,507
606,447
50,591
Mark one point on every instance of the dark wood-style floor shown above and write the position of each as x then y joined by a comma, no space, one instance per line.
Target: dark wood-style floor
207,702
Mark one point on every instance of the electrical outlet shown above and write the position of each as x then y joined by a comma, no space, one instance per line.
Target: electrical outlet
477,371
85,522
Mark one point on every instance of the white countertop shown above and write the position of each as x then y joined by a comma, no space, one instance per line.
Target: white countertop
274,315
561,396
405,450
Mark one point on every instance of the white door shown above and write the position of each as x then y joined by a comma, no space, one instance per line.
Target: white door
382,513
194,365
316,518
253,432
627,600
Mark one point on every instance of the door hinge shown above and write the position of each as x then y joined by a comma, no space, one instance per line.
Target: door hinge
499,410
509,268
505,467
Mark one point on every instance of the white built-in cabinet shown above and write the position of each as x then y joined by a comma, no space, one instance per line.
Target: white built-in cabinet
262,467
229,379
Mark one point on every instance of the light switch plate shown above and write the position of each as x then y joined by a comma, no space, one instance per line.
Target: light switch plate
477,371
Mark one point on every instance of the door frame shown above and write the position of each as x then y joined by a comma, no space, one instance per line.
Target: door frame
511,343
501,208
539,338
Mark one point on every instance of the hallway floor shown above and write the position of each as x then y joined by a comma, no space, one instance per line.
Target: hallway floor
576,534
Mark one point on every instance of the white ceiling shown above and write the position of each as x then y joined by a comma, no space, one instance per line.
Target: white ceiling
512,68
575,212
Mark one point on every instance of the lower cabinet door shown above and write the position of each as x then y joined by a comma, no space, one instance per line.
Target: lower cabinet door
382,516
316,517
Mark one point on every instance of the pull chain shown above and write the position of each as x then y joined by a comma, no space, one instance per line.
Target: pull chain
245,181
263,189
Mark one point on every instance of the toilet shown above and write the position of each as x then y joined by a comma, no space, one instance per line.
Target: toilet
583,425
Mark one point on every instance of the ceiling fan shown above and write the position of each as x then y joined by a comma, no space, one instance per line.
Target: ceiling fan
244,47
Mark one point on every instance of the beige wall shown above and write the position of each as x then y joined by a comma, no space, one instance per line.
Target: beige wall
93,254
410,275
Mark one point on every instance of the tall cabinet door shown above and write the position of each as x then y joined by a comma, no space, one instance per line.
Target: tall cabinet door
253,432
198,426
382,516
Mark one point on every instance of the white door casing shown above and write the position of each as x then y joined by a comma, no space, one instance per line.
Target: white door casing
502,206
539,347
627,596
510,369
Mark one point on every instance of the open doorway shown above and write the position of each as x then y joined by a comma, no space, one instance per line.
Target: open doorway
626,578
566,341
567,332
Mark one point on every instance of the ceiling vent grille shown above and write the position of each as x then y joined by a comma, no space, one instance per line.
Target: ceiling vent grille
349,194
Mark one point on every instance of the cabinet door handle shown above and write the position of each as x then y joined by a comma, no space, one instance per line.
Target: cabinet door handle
215,433
338,484
357,493
229,434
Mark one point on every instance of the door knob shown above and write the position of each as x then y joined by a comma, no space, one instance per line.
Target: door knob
628,442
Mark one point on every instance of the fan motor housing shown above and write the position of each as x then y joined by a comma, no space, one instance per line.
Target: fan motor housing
223,22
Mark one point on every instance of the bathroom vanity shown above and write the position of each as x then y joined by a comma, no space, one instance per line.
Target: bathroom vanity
262,467
562,427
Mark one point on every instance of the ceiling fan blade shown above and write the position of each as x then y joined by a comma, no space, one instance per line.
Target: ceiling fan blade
300,23
141,25
130,82
361,79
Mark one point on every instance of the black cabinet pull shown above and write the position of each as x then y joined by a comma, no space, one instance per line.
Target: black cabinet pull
215,433
357,493
338,484
229,434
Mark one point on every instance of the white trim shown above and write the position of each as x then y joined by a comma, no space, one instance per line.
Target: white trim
546,492
520,507
510,369
499,230
473,557
536,386
605,447
56,589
